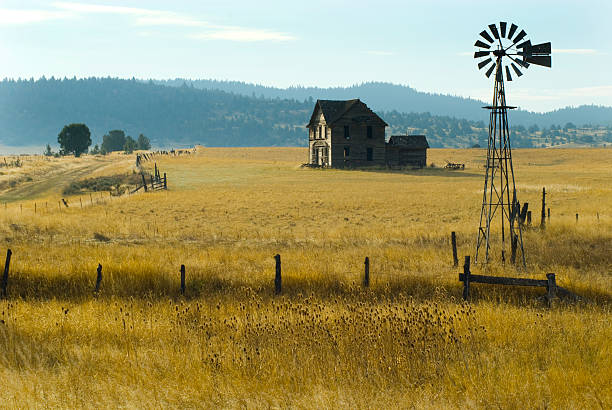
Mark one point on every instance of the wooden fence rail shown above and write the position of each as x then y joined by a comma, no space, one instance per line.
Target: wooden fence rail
550,283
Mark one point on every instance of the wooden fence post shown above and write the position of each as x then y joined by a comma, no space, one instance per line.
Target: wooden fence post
277,278
98,279
548,215
543,215
34,207
454,244
366,277
528,217
466,278
165,182
7,264
551,287
182,279
576,217
144,183
514,247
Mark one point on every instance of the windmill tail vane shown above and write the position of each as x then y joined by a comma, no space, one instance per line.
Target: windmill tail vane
507,51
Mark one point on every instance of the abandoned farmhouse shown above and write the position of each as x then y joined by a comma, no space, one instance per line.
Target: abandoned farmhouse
345,134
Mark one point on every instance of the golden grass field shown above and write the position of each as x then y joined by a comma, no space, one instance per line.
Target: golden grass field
326,342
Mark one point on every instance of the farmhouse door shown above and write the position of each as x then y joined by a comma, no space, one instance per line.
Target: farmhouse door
315,155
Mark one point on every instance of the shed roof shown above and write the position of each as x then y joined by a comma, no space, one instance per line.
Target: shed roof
333,110
409,141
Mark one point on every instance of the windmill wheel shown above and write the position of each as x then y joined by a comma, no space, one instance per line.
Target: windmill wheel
508,48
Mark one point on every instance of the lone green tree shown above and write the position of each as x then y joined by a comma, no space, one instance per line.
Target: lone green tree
74,138
113,141
130,145
143,143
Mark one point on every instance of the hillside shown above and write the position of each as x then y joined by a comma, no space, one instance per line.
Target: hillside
33,112
393,97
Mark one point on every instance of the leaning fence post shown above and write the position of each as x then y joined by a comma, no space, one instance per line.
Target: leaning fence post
182,279
466,278
543,215
454,244
6,271
98,279
529,218
366,277
514,247
144,183
277,278
551,287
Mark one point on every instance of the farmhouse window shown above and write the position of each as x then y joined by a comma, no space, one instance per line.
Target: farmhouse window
346,132
370,154
347,151
369,131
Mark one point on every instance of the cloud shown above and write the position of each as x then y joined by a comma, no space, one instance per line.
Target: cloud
580,51
380,53
243,35
152,18
17,17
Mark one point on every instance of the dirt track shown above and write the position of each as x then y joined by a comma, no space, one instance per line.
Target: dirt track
52,183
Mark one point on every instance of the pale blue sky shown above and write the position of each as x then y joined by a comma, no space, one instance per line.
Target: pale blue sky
425,44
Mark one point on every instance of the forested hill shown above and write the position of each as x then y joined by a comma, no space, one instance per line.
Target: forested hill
32,113
393,97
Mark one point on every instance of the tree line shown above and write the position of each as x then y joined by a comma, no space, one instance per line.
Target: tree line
32,112
76,139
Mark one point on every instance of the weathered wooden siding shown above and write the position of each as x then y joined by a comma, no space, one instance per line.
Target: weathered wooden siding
358,118
401,156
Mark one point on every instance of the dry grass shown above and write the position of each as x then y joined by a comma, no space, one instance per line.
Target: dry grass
326,342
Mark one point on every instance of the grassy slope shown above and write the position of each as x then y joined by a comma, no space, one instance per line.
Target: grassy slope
326,342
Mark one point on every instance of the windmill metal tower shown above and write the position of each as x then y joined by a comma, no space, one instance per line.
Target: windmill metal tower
499,195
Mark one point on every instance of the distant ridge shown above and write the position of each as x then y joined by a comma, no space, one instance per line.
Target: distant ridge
33,112
383,96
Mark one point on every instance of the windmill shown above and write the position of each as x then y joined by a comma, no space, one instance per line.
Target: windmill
499,49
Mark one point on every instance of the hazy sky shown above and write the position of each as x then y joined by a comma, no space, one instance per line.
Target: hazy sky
425,44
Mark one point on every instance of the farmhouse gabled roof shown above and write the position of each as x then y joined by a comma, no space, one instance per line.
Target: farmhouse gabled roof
409,141
333,110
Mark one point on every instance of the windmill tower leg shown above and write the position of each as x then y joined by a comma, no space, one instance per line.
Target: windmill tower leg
499,193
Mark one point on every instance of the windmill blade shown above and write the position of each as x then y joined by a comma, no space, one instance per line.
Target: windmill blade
513,28
493,29
484,63
524,45
544,48
508,76
539,60
502,26
519,62
519,36
481,44
486,36
490,70
479,54
516,70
